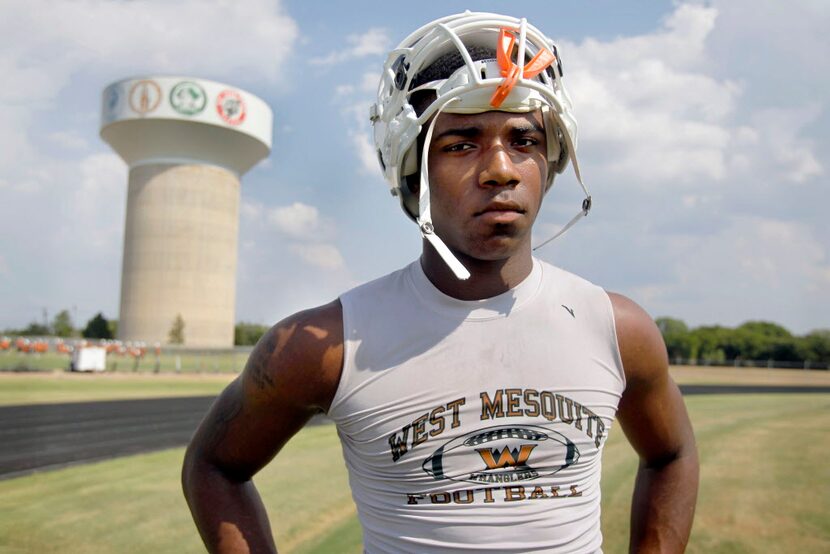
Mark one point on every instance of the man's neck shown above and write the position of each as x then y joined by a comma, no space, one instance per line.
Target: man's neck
487,279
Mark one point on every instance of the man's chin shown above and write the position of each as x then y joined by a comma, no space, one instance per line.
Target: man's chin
496,248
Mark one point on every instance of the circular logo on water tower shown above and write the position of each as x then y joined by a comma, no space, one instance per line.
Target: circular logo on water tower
188,98
231,107
145,96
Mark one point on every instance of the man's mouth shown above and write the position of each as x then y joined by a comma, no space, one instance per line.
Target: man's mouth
501,212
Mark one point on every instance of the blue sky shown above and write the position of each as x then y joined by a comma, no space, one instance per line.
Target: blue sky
703,136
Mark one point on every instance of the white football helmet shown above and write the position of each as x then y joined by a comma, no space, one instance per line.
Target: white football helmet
475,87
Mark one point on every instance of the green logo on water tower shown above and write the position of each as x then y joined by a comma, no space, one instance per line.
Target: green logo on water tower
188,98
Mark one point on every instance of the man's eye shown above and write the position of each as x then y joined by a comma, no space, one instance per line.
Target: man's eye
526,142
457,147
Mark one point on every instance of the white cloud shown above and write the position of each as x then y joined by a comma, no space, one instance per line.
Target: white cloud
793,155
68,140
343,90
372,42
297,220
320,255
369,82
251,210
646,106
306,231
93,205
366,152
761,267
52,40
354,100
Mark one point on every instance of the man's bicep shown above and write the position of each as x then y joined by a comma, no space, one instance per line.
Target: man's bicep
654,419
651,411
291,375
243,431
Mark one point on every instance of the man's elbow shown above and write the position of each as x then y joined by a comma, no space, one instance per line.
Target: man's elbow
685,455
191,470
200,473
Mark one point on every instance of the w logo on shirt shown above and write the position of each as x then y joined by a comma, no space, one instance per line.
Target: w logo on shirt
506,452
506,457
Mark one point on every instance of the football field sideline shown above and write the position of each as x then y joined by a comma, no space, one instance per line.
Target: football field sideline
763,489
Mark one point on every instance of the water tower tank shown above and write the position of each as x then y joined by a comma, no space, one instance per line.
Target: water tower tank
187,142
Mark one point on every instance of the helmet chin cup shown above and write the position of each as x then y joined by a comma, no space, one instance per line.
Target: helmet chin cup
501,83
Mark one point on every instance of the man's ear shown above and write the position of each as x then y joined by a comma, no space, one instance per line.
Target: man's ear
413,183
409,194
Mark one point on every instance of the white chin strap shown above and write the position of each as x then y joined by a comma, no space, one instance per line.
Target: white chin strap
586,207
424,214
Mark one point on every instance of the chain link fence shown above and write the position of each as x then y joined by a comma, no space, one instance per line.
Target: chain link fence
165,360
173,359
777,364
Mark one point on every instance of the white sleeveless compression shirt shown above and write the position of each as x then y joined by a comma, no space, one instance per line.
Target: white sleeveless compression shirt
477,426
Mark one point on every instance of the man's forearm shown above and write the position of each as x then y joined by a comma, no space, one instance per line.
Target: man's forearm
663,505
229,514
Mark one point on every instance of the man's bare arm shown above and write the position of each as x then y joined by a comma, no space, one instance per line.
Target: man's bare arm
654,418
291,374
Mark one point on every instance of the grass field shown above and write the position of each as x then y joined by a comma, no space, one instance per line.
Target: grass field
764,489
44,388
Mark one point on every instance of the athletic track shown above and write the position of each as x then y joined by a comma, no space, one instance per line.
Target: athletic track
49,436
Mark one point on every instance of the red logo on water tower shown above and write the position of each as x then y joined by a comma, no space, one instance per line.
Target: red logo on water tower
231,107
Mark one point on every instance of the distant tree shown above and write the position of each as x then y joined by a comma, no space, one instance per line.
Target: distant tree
62,324
176,334
753,340
247,334
34,329
815,346
97,328
766,329
676,336
113,327
710,342
671,325
762,340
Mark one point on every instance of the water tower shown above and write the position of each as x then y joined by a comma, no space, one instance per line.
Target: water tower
187,142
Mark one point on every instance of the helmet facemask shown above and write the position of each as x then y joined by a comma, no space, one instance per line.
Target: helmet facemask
476,86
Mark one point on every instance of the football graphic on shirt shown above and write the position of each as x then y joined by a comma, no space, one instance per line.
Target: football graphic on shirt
502,454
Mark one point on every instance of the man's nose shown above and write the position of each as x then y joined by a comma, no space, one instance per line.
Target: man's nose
498,169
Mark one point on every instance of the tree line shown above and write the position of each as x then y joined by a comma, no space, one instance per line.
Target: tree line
99,327
753,340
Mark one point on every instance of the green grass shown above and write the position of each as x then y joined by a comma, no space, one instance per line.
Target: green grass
66,387
764,476
764,489
134,504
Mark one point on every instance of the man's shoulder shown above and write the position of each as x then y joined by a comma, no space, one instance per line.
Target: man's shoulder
303,353
392,281
641,345
567,280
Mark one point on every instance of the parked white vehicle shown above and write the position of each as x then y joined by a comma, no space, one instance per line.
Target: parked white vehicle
89,358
